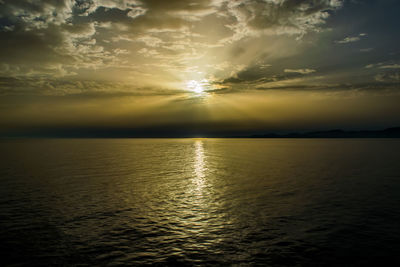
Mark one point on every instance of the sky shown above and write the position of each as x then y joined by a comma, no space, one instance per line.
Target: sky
197,68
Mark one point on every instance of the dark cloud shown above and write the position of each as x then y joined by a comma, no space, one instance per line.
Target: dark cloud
261,73
389,77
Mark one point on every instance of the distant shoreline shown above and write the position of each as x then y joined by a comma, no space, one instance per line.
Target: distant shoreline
386,133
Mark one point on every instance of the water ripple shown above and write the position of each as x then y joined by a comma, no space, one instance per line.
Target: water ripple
199,202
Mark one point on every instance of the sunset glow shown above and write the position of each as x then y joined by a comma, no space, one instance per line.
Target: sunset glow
132,67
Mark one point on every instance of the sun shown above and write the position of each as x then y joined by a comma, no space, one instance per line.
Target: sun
197,87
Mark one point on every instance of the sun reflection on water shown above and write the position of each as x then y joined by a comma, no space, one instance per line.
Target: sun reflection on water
199,164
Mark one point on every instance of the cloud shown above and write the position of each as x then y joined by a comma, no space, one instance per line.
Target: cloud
392,66
258,77
388,77
66,31
255,73
144,42
136,12
301,71
383,65
46,39
251,17
37,13
351,39
40,86
150,41
389,74
365,50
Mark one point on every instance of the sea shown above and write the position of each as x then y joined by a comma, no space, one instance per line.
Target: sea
200,202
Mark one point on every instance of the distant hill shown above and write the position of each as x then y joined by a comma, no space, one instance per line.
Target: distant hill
387,133
159,133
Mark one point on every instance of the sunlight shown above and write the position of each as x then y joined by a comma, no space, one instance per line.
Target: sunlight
200,165
197,87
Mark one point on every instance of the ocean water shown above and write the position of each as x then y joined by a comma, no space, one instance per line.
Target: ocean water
170,202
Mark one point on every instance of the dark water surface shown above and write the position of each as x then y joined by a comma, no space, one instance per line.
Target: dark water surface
273,202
